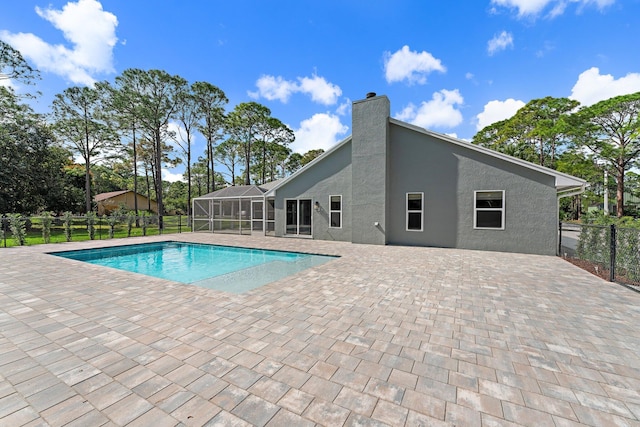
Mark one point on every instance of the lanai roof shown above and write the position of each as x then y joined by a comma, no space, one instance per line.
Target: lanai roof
239,191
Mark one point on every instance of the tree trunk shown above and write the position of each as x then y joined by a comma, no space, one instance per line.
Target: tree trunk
264,160
189,180
247,164
210,166
620,193
159,179
135,175
87,184
146,175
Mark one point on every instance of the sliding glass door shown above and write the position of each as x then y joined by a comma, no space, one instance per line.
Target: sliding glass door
298,217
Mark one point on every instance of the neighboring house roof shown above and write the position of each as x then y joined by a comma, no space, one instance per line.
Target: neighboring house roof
236,191
565,184
104,196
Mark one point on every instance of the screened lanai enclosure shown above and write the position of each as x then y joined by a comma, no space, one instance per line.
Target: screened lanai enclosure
239,209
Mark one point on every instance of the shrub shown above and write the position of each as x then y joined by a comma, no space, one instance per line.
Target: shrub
47,220
67,219
3,226
91,225
145,223
131,219
113,220
18,227
594,243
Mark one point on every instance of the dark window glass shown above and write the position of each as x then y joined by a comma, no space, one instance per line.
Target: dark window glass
335,219
489,219
292,217
305,217
414,202
414,221
489,199
335,203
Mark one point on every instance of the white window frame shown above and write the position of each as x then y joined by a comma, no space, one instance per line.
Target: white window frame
476,210
421,211
331,211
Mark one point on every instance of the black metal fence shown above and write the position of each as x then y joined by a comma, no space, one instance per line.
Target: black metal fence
609,251
33,230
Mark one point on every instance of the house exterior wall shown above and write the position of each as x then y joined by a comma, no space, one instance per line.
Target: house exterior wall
332,177
448,175
107,206
370,145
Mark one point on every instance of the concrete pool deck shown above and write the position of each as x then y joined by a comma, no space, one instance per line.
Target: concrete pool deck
384,335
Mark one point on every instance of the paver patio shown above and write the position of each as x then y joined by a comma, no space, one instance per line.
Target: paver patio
382,335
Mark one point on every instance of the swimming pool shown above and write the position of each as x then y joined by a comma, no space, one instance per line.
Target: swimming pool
223,268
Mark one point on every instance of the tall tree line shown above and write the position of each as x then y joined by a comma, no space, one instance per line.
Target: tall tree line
580,140
125,131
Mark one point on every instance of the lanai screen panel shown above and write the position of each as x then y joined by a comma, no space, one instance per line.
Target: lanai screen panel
232,216
202,214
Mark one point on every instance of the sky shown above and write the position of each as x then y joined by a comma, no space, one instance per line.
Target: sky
448,66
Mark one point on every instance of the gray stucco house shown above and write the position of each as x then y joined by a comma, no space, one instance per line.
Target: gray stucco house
394,183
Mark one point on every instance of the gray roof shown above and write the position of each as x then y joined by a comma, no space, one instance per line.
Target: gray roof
239,191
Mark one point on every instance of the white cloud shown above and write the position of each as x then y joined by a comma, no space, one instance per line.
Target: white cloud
440,111
89,29
6,82
344,108
409,65
322,130
319,89
593,87
499,42
271,88
170,176
494,111
532,8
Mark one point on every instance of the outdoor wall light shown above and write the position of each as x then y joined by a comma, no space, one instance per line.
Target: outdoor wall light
317,206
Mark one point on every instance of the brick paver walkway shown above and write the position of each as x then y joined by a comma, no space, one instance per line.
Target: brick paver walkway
381,336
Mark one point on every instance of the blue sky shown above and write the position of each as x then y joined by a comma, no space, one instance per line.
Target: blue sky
450,66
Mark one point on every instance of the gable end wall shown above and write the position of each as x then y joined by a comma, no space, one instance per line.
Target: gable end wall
448,175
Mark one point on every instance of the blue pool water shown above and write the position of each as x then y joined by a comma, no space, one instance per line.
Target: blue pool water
223,268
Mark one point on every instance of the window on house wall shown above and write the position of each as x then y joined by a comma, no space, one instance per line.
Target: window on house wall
415,210
489,209
335,211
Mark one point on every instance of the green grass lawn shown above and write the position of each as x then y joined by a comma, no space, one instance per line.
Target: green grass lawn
79,231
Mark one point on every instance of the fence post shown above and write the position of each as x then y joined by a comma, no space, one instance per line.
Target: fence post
560,239
179,223
4,229
612,254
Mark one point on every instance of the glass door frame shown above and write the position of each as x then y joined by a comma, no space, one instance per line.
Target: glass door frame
299,212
